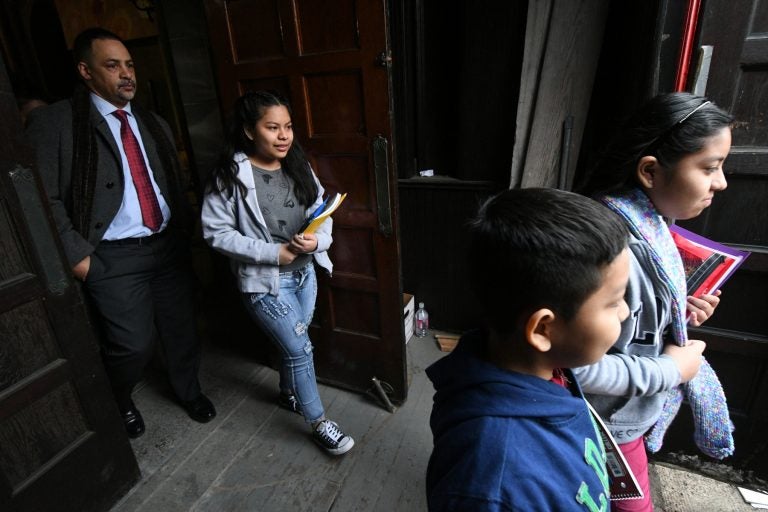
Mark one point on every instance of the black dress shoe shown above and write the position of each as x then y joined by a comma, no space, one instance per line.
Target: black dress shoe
133,422
200,409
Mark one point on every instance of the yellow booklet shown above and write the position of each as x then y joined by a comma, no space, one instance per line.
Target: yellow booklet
323,212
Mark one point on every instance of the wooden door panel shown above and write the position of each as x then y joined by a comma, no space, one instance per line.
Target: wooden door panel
745,299
59,427
326,57
315,19
254,30
278,68
49,418
63,446
341,173
336,105
730,219
272,83
353,261
22,322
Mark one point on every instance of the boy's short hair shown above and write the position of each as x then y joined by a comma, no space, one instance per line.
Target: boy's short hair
539,247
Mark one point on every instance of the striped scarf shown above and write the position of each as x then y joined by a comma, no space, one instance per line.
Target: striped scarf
713,427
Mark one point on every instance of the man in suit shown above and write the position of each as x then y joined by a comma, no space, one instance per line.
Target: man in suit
111,173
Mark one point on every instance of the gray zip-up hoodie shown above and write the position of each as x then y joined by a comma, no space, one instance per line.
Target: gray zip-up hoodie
628,385
234,225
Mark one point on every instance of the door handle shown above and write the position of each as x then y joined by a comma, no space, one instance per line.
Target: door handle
381,175
384,60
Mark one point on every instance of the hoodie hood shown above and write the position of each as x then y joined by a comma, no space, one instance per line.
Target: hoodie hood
468,387
510,441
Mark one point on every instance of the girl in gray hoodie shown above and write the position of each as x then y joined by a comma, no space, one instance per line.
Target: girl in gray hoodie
666,164
256,204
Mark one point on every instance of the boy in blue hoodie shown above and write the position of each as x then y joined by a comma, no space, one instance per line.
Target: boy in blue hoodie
511,428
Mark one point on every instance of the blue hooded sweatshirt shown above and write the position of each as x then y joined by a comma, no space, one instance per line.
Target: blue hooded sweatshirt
509,441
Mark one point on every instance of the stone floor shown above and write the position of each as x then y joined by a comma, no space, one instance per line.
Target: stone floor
677,490
255,456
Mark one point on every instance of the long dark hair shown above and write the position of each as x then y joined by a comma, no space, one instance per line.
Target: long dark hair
247,111
668,127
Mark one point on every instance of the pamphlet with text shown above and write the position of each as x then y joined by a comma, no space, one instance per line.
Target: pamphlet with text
622,482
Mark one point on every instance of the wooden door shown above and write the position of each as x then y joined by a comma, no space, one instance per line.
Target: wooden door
737,335
62,443
331,59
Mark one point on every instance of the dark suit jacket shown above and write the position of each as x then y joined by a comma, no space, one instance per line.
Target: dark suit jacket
49,130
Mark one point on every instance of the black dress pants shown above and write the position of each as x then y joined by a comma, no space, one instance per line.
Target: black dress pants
142,290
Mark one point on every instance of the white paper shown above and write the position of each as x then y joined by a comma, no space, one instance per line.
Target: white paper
755,498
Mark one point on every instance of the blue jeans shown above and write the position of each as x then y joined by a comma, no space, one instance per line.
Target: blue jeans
286,320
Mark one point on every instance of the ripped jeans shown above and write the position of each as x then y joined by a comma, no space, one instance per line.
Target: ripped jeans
285,319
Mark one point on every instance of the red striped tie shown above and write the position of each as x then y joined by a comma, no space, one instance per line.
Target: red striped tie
150,208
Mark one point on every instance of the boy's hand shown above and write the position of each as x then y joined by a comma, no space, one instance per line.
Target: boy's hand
700,309
285,256
303,244
687,358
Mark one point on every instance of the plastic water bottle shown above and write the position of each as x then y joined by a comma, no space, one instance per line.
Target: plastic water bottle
422,321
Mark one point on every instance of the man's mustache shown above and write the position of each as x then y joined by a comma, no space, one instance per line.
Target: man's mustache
129,83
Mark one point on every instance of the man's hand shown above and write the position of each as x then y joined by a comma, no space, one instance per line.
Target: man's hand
81,269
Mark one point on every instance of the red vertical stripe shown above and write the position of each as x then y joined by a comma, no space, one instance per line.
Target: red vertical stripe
686,48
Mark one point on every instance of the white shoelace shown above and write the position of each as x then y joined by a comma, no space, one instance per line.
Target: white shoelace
331,432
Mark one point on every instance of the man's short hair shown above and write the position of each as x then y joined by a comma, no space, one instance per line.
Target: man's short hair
81,49
539,247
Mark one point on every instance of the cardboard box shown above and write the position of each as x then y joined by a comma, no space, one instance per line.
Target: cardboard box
408,312
446,341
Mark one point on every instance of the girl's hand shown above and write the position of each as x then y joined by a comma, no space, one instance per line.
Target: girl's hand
303,244
700,309
285,256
